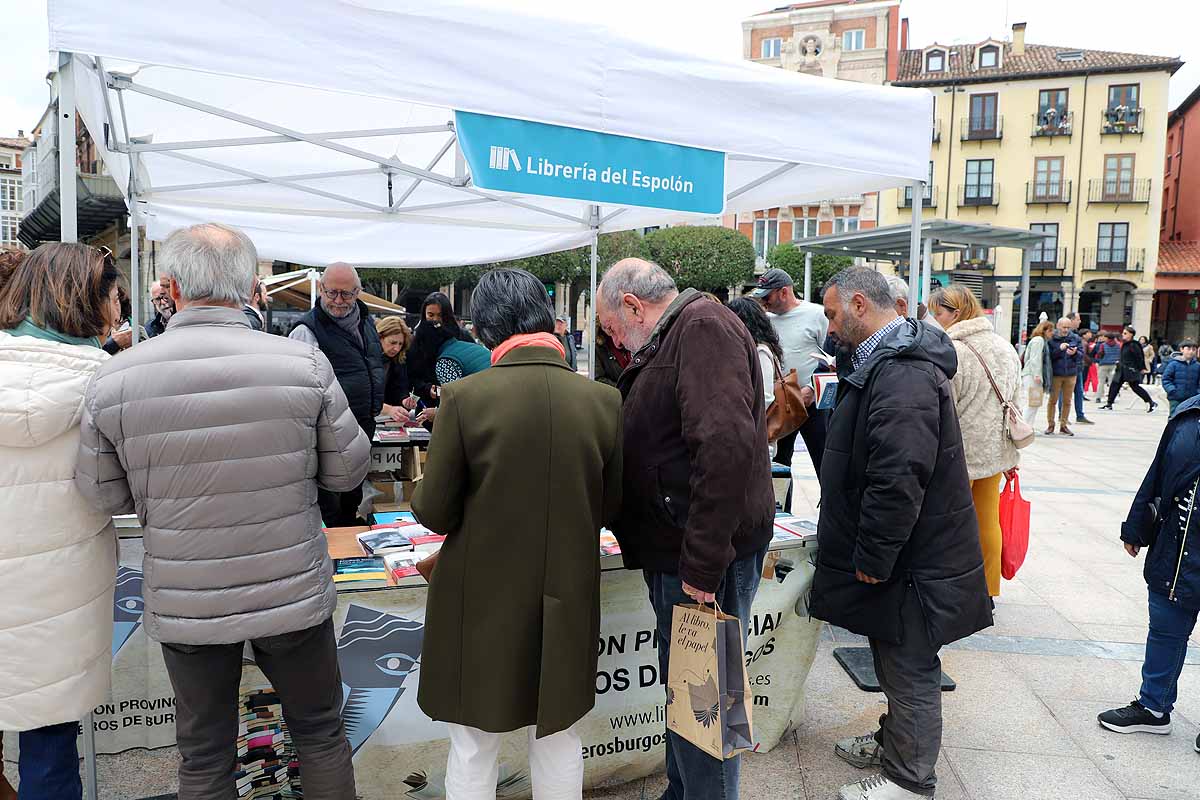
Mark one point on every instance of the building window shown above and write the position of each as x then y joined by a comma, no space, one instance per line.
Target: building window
1045,254
854,40
989,57
977,256
8,161
1118,177
1123,95
845,224
771,48
1112,246
766,236
1122,114
978,191
10,194
804,228
935,61
982,122
8,230
1047,178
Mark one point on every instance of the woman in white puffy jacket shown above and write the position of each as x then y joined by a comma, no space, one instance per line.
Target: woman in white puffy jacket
57,554
989,450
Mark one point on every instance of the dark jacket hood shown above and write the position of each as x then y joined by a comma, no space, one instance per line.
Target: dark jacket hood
912,340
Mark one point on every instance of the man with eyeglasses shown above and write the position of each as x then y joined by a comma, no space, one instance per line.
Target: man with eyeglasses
342,328
164,307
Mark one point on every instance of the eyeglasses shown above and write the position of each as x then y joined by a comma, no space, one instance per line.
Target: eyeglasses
161,300
106,255
335,294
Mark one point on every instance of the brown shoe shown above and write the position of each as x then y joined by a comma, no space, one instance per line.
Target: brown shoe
1050,431
1065,431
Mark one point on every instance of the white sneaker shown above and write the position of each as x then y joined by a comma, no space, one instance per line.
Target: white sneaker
859,751
877,787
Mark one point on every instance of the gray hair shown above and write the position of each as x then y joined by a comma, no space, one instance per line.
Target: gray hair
898,287
861,280
211,262
507,302
643,279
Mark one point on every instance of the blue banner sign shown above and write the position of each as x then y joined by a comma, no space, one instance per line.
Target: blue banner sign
514,155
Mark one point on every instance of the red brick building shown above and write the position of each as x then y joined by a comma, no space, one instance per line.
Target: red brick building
1177,283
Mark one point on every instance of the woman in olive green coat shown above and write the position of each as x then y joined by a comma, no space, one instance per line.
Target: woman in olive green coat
523,469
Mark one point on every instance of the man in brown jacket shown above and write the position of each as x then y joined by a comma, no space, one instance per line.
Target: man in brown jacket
698,503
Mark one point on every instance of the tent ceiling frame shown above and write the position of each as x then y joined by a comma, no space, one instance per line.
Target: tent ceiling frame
203,144
310,176
453,140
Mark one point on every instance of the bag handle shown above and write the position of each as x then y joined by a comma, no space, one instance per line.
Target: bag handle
1004,403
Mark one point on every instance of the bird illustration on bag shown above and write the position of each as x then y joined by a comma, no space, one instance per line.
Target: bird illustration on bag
377,652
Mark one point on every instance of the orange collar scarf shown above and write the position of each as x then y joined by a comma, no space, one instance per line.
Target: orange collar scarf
527,340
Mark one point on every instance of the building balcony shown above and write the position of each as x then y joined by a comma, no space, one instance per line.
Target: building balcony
986,194
1129,259
1121,120
937,131
1046,263
977,259
1048,192
99,203
979,129
1049,124
904,197
1117,192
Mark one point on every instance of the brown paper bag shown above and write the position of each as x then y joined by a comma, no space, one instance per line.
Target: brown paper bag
708,692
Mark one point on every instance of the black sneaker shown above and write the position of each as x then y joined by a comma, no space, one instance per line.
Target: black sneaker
1134,718
1153,406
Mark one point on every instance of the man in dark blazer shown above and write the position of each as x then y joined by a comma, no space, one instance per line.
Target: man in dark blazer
899,559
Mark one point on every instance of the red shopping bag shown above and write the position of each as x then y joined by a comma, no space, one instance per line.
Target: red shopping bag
1014,528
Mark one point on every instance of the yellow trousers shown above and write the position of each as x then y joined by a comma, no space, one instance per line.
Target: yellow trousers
986,493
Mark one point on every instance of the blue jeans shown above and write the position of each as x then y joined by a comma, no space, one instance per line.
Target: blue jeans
1166,648
49,763
693,774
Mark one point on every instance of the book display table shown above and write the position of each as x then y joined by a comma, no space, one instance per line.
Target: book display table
398,750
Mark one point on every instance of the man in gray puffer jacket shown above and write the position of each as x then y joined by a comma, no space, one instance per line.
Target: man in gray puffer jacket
218,438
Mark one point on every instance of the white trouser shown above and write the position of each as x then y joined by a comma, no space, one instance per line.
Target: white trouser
1031,412
555,765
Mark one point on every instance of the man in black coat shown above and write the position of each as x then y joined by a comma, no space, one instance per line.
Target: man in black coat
1130,370
899,559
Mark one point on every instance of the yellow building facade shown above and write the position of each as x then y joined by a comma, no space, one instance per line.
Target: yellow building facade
1067,142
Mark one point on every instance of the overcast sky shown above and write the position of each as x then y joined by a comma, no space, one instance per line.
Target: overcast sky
1158,27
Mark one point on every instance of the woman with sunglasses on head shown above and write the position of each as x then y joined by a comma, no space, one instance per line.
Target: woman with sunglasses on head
59,554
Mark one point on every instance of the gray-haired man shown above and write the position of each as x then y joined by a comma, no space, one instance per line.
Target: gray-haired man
341,326
218,438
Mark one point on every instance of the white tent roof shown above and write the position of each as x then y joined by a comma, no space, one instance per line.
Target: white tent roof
335,94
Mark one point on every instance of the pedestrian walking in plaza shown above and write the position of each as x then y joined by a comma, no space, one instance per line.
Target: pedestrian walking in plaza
513,620
1065,357
1107,364
1181,377
340,324
986,362
57,552
899,559
218,438
1150,354
1092,348
699,506
1130,370
1162,522
802,328
562,331
1085,365
1037,372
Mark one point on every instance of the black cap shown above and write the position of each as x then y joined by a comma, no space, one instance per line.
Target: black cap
771,280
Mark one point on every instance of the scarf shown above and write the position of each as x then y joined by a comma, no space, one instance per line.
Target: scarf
528,340
349,323
28,328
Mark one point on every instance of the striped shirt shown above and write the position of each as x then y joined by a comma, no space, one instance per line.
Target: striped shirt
864,350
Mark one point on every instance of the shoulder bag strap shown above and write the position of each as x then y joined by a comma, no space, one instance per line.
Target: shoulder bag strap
987,372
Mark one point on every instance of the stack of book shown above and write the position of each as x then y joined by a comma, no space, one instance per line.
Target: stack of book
267,765
368,572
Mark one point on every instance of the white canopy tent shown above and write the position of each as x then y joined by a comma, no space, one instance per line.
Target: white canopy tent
332,131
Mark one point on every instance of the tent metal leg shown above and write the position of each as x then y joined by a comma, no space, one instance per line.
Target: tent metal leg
68,224
1023,323
135,271
595,219
927,271
914,251
807,276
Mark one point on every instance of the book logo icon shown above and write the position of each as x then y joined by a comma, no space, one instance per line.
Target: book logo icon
502,157
376,653
127,606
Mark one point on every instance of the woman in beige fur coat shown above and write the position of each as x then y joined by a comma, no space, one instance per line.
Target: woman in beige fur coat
990,452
